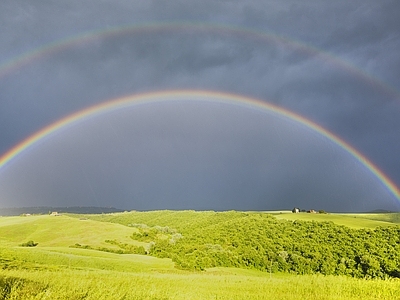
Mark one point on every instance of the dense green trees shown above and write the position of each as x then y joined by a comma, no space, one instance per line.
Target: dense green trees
199,240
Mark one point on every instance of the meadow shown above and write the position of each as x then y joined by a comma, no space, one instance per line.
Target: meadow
356,221
104,265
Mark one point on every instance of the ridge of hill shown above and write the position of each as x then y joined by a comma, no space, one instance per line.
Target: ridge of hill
42,210
356,221
187,219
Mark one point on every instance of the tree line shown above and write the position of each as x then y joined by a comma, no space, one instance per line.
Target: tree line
197,241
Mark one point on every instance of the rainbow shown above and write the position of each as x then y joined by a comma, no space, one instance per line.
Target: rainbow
245,33
190,95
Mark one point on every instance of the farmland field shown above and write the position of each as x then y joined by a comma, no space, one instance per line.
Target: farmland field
59,269
350,220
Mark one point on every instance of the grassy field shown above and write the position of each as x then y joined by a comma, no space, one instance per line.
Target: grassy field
356,221
385,217
176,219
62,231
54,270
100,284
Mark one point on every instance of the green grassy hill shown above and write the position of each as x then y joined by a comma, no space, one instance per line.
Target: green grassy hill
54,270
186,220
178,219
385,217
298,243
350,220
182,221
62,231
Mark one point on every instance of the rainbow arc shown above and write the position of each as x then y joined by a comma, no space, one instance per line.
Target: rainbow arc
193,95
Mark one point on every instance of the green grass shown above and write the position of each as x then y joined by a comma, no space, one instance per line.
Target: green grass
178,219
53,270
61,258
225,284
385,217
62,231
356,221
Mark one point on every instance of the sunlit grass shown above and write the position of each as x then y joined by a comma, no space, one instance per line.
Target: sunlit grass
63,231
89,284
61,258
54,270
386,217
356,221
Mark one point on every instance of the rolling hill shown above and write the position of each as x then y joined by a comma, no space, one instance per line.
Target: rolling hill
247,250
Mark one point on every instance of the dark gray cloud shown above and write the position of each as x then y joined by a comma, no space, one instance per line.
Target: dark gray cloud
184,155
172,156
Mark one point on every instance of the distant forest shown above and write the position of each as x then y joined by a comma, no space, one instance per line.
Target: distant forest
41,210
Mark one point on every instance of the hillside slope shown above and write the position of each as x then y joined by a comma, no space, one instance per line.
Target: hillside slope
200,240
62,231
356,221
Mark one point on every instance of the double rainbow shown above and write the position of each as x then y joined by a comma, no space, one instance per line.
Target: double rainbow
245,33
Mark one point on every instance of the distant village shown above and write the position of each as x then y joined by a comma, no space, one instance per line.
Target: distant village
297,210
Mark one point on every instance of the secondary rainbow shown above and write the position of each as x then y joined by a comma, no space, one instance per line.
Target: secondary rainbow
87,37
191,95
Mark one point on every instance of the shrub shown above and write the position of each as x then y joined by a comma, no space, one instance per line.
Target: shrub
29,244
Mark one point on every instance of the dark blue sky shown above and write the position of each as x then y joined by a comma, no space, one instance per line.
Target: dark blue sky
334,63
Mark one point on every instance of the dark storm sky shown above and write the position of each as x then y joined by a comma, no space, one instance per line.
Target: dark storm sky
335,63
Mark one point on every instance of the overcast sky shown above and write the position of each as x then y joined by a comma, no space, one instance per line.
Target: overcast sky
336,63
